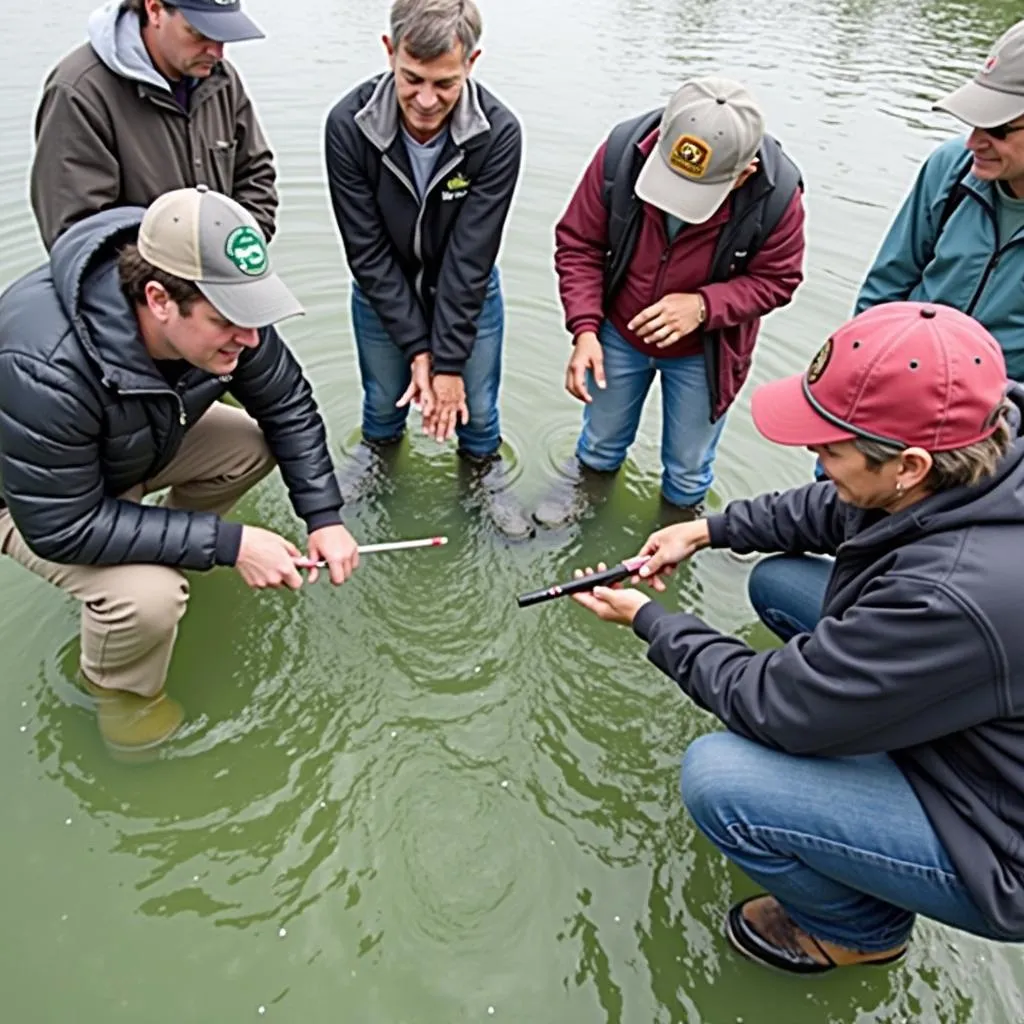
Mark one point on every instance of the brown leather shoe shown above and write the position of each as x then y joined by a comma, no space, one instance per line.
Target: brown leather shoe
777,942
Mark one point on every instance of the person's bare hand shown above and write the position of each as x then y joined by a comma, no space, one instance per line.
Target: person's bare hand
611,604
670,318
419,393
266,559
666,548
335,546
449,406
587,355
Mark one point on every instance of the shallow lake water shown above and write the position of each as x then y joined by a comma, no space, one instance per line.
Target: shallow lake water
405,800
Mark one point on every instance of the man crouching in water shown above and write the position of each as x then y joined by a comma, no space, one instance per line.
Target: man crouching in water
113,356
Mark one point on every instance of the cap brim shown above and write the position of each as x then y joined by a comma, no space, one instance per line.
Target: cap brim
690,201
223,26
781,413
981,107
253,303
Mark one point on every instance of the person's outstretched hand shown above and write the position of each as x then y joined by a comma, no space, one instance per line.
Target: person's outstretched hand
667,548
266,559
612,604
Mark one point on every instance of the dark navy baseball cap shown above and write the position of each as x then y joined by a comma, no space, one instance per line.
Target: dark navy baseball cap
223,21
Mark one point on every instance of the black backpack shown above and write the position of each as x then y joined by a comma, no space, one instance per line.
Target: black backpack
756,210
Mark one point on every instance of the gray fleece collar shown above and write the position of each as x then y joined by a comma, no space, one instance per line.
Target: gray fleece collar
379,119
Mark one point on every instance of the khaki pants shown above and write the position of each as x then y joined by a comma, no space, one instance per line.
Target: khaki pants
130,613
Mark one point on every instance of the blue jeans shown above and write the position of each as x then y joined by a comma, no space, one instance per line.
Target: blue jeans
842,842
688,439
385,374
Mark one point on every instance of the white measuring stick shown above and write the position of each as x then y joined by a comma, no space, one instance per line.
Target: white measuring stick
393,545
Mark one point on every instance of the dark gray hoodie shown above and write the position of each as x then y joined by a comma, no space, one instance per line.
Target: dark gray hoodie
919,653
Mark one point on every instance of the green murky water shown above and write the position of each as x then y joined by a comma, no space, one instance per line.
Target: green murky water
406,801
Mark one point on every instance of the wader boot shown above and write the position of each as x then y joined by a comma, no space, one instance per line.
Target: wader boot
488,477
130,723
576,489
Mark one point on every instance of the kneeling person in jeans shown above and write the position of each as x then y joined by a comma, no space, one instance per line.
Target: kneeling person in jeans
872,768
113,356
661,270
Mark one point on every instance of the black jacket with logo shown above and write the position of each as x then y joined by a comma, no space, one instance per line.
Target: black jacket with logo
423,265
85,415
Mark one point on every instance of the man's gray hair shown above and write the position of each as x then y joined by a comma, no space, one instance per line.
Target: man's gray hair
962,467
431,28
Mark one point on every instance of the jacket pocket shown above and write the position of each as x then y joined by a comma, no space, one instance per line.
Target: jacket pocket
221,161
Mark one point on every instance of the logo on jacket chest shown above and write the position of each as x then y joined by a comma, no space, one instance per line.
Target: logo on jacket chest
456,187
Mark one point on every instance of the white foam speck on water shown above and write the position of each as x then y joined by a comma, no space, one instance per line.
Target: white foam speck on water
63,917
24,703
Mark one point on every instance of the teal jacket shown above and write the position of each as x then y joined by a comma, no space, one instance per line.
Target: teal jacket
968,267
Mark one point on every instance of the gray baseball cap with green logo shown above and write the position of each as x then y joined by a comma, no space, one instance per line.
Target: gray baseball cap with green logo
711,130
209,239
996,94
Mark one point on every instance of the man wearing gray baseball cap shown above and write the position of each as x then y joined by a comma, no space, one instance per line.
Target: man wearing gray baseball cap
148,105
685,230
958,237
113,356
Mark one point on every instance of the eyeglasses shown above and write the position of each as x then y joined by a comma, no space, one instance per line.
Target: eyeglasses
1002,130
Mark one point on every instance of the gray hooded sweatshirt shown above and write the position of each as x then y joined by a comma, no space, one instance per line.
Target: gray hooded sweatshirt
109,132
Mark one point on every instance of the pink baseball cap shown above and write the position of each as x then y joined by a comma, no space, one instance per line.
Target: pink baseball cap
906,373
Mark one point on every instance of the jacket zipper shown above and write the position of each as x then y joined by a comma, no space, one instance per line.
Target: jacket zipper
417,238
182,417
996,256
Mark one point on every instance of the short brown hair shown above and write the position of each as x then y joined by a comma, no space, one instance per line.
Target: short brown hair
139,7
135,273
962,467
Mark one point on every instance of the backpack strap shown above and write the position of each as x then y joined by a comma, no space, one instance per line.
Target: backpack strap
621,168
954,197
756,212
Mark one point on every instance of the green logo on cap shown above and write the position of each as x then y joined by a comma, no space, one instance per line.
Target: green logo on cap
247,251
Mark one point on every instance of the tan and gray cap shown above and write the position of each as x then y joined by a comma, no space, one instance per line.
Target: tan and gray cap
996,94
207,238
711,130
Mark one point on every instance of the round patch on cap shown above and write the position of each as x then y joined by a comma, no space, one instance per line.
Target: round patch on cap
247,251
819,362
690,155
